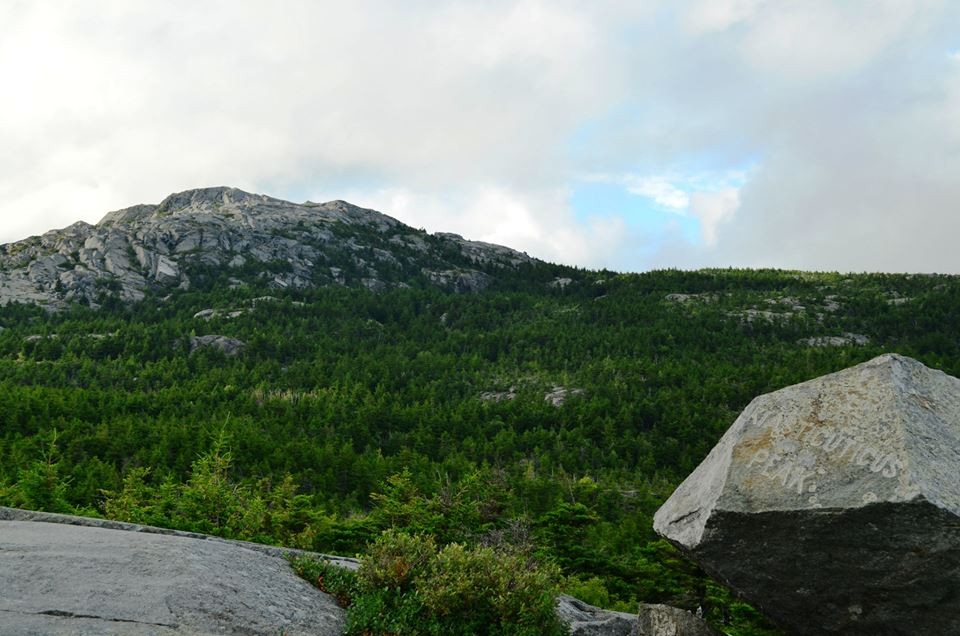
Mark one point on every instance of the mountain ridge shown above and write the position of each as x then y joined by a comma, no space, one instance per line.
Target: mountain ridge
149,247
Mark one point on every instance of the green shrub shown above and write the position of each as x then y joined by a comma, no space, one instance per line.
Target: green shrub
395,560
591,591
405,585
478,589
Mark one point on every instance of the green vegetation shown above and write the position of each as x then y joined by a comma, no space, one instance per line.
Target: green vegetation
422,413
406,584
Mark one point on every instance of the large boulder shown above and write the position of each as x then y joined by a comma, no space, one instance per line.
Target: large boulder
834,505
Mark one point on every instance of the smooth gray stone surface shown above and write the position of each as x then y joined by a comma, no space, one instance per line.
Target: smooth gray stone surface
61,579
18,514
834,505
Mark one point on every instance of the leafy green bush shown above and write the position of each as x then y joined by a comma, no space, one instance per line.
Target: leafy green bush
477,589
405,585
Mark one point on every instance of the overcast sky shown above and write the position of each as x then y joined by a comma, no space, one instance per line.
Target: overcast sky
814,134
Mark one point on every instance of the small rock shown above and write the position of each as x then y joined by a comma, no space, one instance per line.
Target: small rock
705,297
558,395
664,620
374,285
751,315
836,341
498,396
651,620
461,281
167,271
229,346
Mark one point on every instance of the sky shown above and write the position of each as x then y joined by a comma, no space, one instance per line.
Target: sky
809,134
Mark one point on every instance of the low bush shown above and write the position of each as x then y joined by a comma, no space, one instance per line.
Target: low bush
406,585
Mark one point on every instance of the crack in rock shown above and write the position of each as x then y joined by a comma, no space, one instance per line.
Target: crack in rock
67,614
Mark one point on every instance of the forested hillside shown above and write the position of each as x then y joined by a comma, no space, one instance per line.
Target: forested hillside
557,408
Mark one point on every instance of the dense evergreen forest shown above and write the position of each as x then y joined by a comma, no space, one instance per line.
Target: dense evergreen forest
559,414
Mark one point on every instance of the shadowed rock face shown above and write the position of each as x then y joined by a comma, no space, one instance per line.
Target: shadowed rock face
834,505
285,245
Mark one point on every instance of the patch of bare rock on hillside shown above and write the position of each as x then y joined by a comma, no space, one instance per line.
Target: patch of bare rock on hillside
228,346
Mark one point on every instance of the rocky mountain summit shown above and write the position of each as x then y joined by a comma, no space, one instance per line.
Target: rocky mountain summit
133,251
834,505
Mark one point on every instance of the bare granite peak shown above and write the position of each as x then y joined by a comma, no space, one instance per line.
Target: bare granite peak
154,247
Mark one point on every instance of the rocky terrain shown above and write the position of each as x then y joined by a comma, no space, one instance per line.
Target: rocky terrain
64,575
834,505
155,247
60,579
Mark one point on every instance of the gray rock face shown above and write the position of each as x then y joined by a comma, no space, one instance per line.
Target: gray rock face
651,620
558,395
836,341
60,579
834,505
287,245
229,346
458,280
499,396
663,620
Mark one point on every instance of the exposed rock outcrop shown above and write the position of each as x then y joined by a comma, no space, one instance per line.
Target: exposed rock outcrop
664,620
834,505
58,580
286,245
499,396
229,346
558,395
843,340
459,281
651,620
66,575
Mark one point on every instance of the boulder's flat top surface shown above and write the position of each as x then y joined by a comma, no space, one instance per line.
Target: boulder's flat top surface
61,579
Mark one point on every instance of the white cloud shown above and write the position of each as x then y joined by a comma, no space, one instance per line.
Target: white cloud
135,103
480,118
539,223
712,209
708,16
711,198
661,190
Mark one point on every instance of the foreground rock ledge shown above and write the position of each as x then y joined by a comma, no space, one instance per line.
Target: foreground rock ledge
834,505
60,579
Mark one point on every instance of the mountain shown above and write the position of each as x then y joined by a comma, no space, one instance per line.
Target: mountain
256,393
250,237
